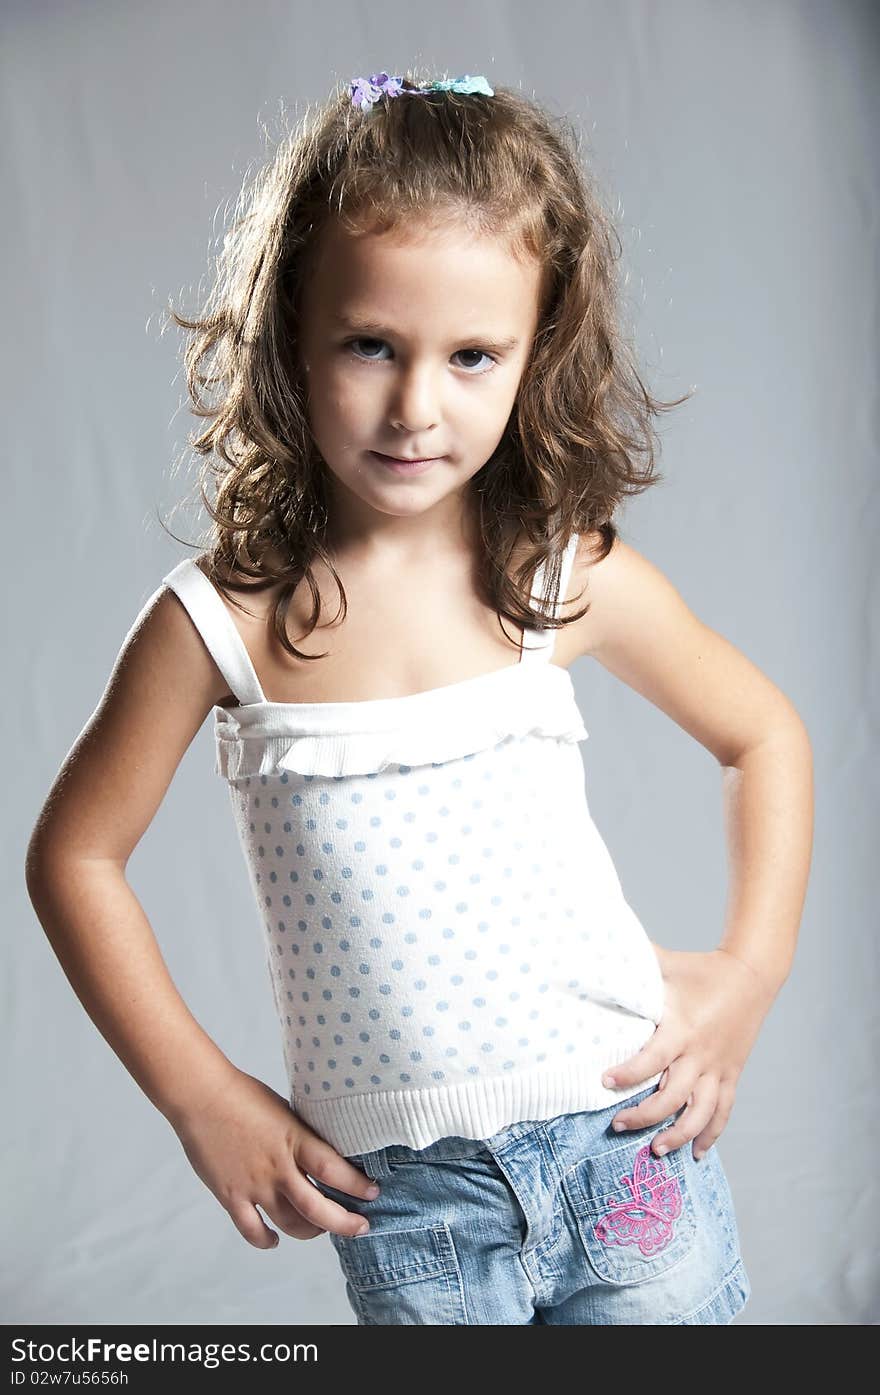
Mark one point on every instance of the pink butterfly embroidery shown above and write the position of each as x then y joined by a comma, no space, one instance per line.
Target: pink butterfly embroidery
645,1217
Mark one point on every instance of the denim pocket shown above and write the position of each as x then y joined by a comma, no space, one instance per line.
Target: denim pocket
634,1211
398,1277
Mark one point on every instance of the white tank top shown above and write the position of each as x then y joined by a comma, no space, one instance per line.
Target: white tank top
449,946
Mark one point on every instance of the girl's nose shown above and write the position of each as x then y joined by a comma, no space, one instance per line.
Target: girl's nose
414,406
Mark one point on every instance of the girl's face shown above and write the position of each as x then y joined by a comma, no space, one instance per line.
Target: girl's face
412,346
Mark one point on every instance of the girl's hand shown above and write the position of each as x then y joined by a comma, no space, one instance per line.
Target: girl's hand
715,1004
250,1150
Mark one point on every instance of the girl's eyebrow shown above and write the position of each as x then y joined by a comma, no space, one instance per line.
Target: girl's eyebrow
358,325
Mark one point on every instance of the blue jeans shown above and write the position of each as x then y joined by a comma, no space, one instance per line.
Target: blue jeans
559,1221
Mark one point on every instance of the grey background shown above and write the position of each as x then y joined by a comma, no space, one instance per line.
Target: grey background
739,141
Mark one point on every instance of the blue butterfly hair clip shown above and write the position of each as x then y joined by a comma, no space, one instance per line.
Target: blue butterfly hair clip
366,91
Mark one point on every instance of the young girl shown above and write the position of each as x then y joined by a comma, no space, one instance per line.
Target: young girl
426,419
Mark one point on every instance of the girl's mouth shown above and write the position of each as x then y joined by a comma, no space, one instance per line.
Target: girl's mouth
406,467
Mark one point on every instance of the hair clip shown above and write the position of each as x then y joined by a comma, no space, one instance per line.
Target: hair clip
366,91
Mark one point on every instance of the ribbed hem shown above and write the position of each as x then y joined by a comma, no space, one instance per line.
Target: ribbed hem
472,1109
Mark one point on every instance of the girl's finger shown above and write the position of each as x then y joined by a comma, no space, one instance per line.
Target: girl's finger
697,1113
337,1172
289,1220
249,1223
310,1201
667,1098
717,1124
657,1053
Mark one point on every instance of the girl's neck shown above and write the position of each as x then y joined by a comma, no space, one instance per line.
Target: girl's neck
365,539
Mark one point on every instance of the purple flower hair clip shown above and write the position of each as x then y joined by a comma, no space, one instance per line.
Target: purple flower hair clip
366,91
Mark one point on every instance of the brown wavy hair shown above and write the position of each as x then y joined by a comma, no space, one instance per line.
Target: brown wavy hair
579,438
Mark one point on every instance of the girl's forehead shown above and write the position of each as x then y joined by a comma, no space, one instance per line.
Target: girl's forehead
485,265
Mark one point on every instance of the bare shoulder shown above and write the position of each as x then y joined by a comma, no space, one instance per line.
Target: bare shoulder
642,630
171,630
162,686
631,600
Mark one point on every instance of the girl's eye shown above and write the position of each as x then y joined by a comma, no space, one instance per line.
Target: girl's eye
367,358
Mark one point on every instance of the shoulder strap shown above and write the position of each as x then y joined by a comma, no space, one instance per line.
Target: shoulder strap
217,629
538,643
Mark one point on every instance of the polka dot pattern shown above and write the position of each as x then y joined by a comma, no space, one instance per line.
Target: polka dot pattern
401,961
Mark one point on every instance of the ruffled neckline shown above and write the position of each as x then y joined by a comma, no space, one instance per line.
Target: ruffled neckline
365,736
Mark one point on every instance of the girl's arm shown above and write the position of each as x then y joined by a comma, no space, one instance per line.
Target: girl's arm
640,629
240,1136
104,797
